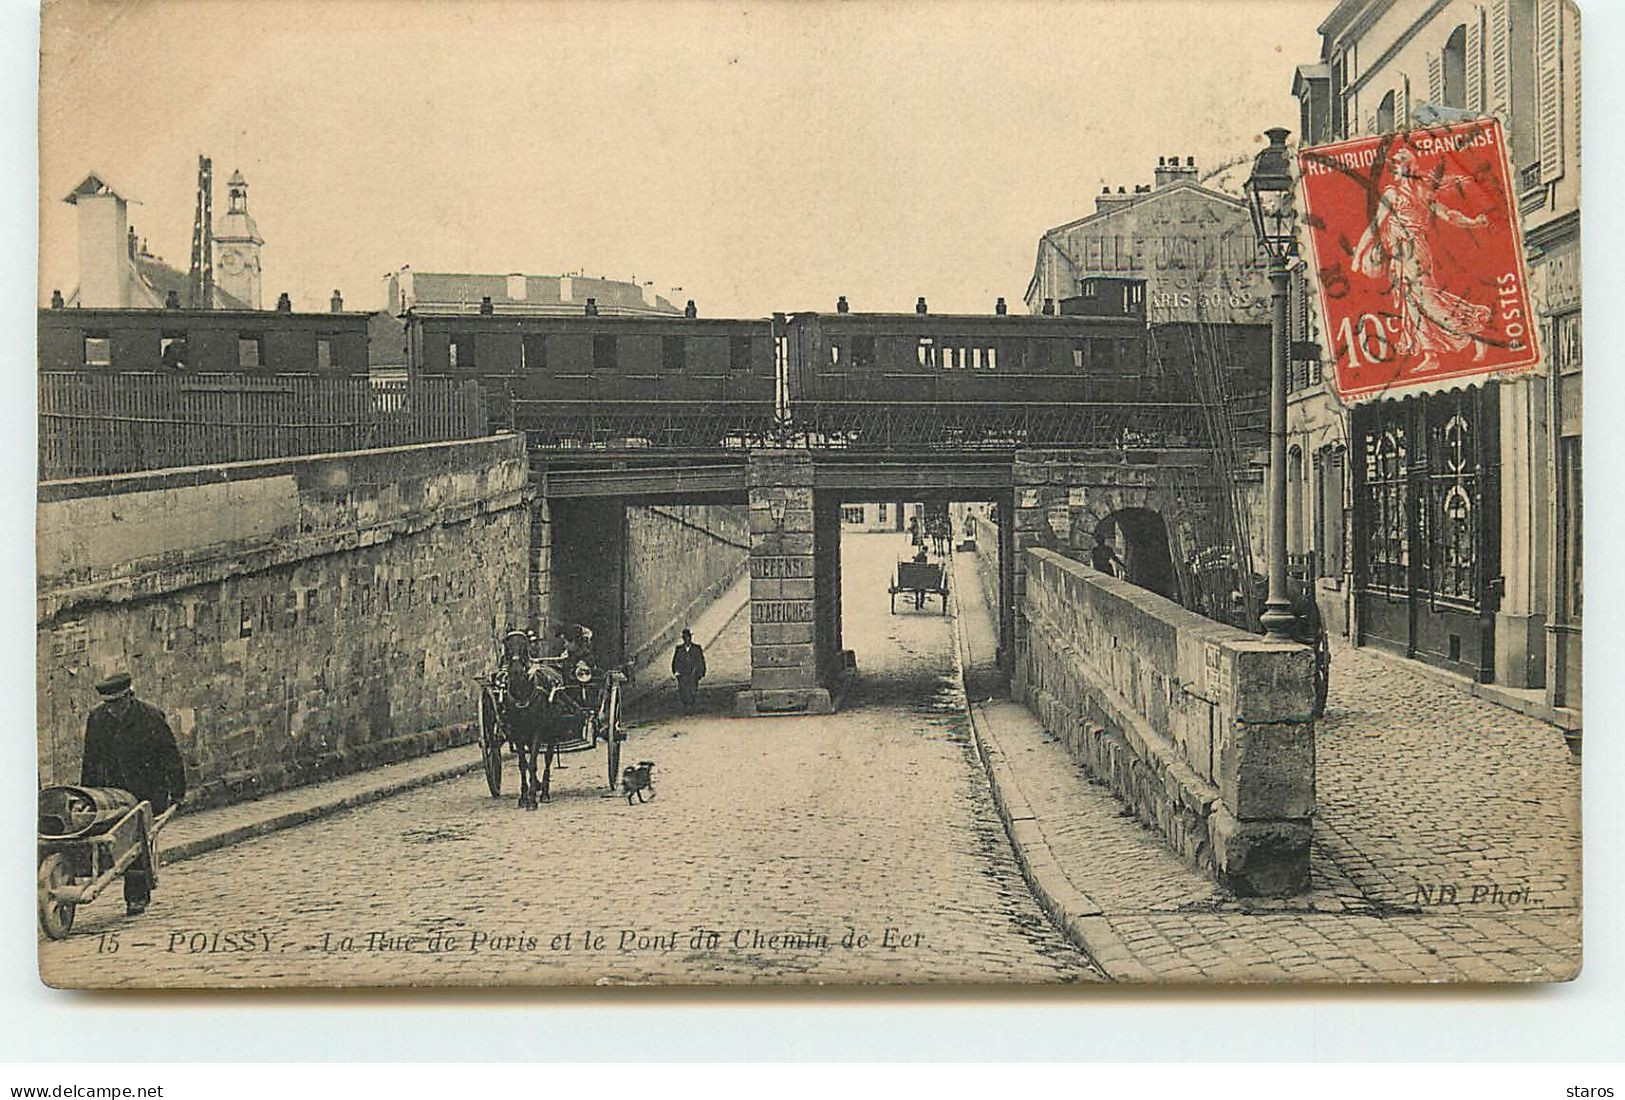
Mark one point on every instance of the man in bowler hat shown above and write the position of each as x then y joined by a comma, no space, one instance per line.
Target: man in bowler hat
688,665
128,745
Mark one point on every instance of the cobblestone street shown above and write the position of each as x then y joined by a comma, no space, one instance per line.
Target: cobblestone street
771,833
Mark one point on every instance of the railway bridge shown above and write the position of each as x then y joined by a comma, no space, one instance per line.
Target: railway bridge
1166,507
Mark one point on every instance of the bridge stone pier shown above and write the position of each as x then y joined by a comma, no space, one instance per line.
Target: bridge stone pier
794,587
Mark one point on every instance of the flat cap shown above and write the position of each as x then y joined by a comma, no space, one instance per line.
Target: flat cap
114,685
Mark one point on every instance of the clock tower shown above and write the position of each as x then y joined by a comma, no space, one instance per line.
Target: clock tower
237,244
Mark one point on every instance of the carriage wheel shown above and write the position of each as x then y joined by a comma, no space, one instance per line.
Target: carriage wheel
612,731
491,742
55,916
1323,672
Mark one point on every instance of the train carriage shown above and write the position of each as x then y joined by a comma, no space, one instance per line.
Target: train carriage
902,381
587,382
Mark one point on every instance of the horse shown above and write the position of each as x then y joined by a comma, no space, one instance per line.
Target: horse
544,703
525,705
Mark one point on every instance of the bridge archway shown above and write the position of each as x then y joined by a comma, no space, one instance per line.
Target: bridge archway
1140,537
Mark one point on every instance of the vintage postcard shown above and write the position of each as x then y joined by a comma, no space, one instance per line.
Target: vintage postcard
568,493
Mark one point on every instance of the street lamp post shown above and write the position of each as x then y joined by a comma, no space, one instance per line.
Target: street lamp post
1270,199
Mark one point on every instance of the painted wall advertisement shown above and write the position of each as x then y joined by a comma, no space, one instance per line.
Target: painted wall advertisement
1419,259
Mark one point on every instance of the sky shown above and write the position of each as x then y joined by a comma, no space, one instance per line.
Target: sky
758,156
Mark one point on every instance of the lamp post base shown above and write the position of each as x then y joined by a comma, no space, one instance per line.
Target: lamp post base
1278,621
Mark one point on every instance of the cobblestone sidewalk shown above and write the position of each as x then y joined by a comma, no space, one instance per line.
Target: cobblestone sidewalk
1420,786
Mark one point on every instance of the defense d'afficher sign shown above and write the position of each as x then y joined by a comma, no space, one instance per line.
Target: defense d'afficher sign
1419,260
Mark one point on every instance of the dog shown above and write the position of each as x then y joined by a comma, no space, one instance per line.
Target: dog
636,780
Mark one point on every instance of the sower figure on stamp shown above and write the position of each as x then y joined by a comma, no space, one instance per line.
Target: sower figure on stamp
688,665
129,745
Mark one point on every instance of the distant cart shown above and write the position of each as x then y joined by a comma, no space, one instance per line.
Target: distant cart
88,836
920,579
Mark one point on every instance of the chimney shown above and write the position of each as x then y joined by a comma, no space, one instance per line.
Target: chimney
650,298
689,311
517,290
172,300
592,307
1109,200
1169,170
486,308
104,245
565,286
284,304
1000,308
841,306
56,300
1049,307
919,305
336,303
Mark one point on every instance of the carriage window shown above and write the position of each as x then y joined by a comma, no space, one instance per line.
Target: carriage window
251,350
533,353
172,351
739,353
834,354
324,353
605,352
993,358
460,352
1103,353
926,352
673,353
863,351
1079,355
98,350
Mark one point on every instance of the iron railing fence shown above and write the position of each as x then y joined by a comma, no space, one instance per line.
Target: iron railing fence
99,424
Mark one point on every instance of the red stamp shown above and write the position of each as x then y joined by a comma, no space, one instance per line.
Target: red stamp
1419,259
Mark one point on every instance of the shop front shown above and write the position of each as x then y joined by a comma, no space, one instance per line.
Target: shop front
1427,576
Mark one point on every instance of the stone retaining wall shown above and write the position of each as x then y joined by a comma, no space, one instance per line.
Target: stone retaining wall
296,619
679,559
1204,731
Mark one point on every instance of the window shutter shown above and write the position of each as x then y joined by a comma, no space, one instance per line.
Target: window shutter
1436,78
1499,82
1549,86
1475,61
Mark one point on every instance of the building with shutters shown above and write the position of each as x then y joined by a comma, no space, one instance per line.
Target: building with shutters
1494,590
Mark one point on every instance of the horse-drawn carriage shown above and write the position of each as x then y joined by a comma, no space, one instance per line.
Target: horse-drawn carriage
543,706
89,836
920,579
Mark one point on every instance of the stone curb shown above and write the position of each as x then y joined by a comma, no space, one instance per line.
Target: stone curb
1074,912
338,803
287,819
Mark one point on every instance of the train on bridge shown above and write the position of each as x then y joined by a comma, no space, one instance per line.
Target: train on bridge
1091,373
